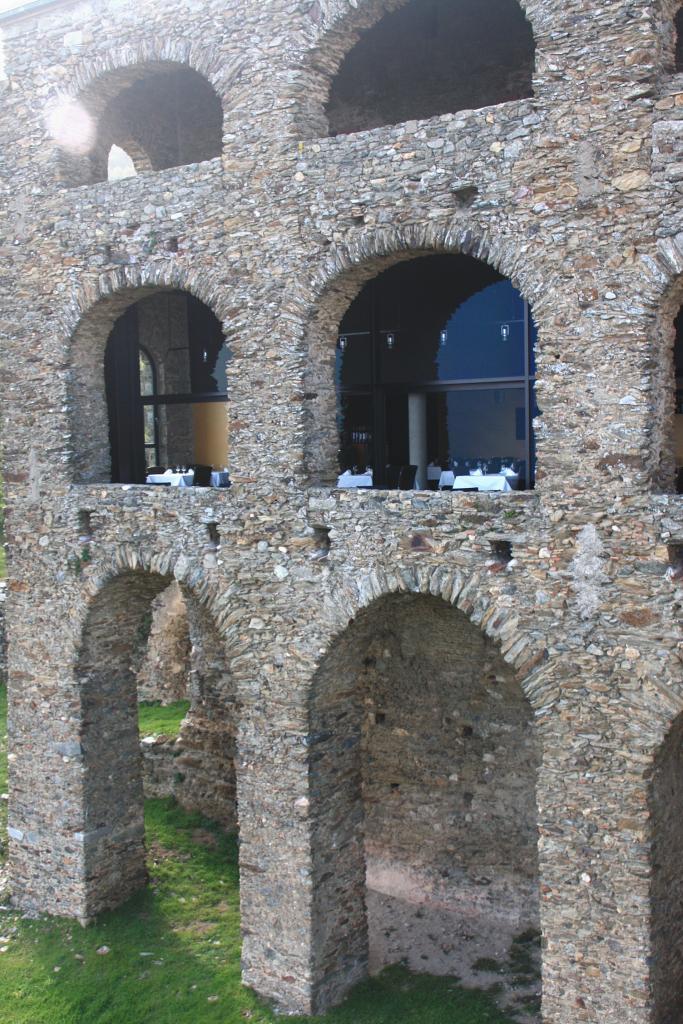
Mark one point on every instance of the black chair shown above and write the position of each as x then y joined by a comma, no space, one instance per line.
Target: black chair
155,470
202,476
406,478
391,475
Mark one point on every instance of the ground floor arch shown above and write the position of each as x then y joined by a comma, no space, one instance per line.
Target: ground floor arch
116,627
423,773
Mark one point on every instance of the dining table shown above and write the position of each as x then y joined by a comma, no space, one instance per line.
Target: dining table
219,478
479,481
349,479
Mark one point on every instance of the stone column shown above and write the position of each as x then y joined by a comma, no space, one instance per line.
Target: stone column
417,438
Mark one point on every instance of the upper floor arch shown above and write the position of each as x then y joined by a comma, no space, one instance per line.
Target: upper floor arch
385,62
451,266
160,102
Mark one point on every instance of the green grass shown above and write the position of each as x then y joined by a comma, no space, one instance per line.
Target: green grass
174,952
155,719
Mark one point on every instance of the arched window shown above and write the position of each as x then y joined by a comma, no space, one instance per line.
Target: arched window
435,377
166,383
160,114
433,57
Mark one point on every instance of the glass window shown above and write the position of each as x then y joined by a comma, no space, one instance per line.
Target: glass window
451,329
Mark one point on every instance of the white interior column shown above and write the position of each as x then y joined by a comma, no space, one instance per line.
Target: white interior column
417,437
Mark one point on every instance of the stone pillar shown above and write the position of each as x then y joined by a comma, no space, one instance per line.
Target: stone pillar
417,438
594,865
275,852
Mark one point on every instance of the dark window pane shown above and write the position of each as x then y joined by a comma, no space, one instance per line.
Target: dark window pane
355,431
353,370
468,428
485,336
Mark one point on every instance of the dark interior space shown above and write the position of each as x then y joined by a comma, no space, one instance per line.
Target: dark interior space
433,57
679,41
435,366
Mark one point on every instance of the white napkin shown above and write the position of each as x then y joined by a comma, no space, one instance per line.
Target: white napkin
506,471
476,472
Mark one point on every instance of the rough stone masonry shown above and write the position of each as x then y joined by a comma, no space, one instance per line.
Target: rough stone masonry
461,703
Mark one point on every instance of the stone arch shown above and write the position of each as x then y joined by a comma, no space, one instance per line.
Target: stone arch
113,622
87,324
398,628
340,26
96,82
470,594
324,299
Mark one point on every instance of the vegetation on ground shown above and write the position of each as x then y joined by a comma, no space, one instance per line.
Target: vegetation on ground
171,955
157,719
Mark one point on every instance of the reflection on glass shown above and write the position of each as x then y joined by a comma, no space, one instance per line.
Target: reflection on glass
355,432
484,429
147,381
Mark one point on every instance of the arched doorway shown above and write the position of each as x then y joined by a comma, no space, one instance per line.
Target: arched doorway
166,385
113,827
435,374
433,57
423,772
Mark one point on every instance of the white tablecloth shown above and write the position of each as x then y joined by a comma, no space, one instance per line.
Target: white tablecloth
355,480
218,479
434,472
485,482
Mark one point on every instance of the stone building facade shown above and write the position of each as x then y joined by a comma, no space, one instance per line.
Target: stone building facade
462,701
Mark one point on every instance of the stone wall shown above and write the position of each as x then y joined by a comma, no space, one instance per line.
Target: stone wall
573,193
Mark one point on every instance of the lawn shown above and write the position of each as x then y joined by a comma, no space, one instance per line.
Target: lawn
171,955
156,719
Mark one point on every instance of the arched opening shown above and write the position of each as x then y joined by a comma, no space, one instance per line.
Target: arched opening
666,892
678,57
423,772
165,369
161,114
435,379
433,57
117,626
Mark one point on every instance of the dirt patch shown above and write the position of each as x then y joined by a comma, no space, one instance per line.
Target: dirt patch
436,939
